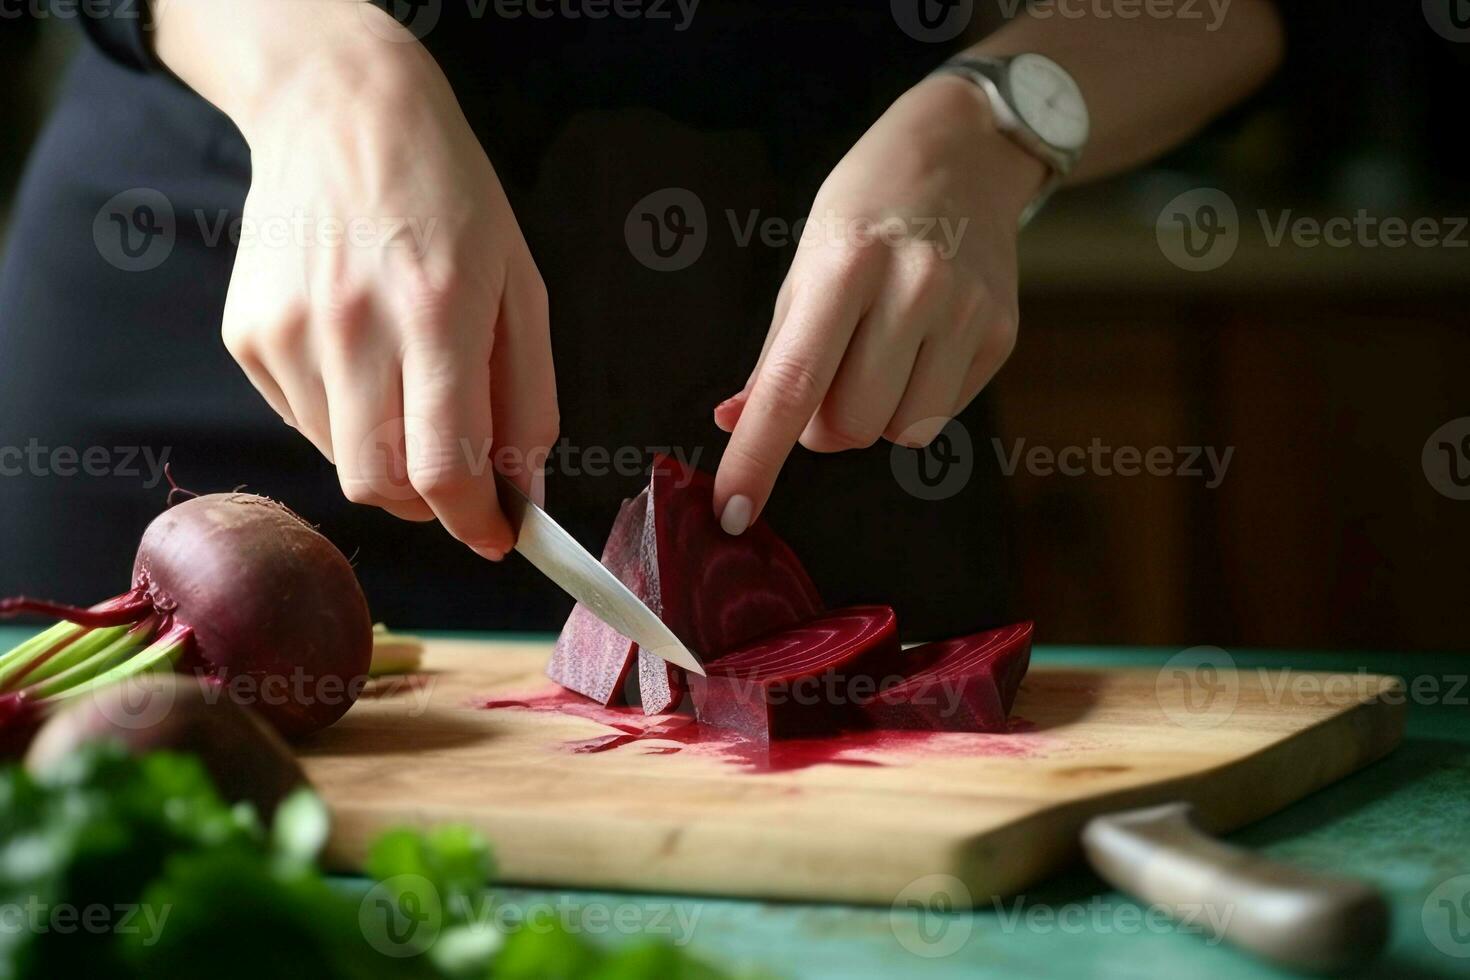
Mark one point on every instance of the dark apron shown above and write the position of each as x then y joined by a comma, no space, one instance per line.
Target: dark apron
602,133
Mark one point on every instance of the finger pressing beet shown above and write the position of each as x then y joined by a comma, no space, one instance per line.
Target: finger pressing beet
165,711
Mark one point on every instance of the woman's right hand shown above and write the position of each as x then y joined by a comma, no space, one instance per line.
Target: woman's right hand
383,300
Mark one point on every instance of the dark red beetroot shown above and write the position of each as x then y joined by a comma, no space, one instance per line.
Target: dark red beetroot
232,586
591,657
966,684
806,680
715,591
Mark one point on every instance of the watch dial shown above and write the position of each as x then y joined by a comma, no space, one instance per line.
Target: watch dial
1049,101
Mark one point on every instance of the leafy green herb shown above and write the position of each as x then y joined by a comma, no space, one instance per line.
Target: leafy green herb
118,866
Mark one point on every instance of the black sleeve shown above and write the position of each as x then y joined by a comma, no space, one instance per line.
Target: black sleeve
123,29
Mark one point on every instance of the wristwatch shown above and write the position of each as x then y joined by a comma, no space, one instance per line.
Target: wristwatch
1037,104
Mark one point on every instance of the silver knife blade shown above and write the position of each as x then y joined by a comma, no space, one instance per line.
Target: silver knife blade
548,546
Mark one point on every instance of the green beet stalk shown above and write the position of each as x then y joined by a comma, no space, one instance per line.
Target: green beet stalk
161,654
29,649
78,651
129,642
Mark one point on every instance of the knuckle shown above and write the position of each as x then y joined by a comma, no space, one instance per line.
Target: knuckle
846,430
282,334
793,386
914,433
430,305
359,491
346,312
930,272
439,479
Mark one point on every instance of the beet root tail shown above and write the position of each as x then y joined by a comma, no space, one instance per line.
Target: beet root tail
130,607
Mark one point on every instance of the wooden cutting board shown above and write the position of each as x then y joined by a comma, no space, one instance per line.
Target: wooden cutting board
580,801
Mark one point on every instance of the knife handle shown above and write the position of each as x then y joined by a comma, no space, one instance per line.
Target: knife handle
1301,919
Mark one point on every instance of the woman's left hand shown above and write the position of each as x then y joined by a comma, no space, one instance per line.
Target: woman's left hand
901,302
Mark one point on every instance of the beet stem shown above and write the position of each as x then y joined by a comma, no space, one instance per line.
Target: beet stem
119,611
59,658
58,635
162,654
123,644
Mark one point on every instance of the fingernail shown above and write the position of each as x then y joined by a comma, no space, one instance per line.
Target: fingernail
494,554
736,516
538,488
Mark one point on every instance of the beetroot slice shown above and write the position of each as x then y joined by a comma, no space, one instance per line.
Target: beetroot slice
591,657
806,680
717,591
967,684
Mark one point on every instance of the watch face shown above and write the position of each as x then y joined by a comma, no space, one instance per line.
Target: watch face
1048,100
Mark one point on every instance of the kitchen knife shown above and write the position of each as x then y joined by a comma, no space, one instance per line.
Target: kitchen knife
548,546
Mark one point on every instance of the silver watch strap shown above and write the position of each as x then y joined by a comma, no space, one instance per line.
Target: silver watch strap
988,74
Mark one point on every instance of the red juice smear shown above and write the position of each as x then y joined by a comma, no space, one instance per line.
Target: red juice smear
633,728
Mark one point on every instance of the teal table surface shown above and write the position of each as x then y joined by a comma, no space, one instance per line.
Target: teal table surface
1403,824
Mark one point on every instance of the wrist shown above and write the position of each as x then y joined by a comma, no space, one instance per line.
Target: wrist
961,112
263,59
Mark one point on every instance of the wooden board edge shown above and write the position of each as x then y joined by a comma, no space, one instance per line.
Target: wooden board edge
1340,746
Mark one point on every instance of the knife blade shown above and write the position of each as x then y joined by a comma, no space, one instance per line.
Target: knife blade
548,546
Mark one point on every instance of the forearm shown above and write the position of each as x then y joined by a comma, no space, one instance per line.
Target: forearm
1149,82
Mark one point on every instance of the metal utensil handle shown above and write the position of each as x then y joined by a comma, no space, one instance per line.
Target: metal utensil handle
1295,917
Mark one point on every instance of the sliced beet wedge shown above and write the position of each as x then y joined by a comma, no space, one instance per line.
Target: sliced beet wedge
716,591
591,657
806,680
966,684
